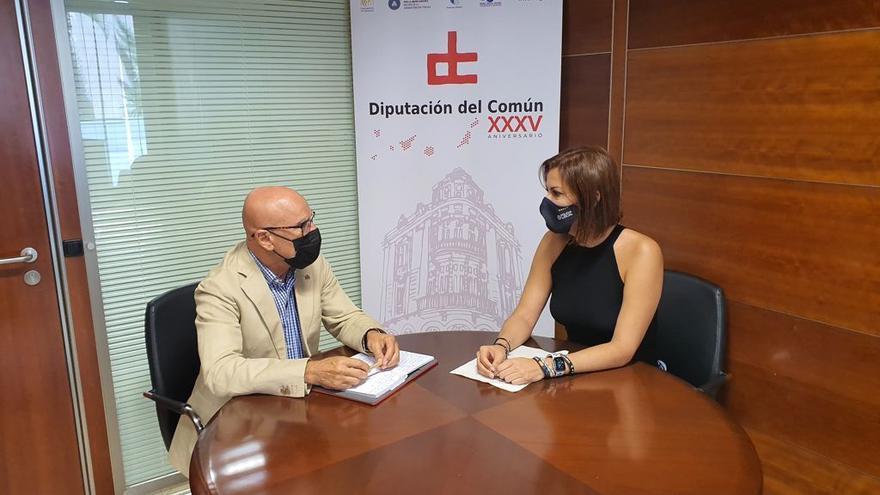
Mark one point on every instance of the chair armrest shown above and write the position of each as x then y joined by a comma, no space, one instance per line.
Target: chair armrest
178,407
711,387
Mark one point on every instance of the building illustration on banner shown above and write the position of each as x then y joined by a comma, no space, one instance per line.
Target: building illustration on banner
452,264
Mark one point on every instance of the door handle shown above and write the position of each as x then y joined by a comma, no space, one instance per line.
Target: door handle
28,255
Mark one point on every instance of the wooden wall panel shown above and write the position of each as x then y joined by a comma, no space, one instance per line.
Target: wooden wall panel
825,422
584,100
807,383
789,470
752,155
586,26
618,80
813,354
677,22
806,249
802,108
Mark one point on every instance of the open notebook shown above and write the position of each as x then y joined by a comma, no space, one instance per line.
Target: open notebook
382,383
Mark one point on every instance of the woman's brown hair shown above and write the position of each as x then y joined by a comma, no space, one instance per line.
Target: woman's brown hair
587,171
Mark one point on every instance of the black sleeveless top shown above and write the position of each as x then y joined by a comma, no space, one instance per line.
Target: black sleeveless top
587,295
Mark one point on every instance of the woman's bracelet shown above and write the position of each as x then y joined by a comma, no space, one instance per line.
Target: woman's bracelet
544,368
568,362
507,347
502,346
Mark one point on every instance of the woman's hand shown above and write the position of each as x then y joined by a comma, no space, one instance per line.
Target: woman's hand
518,371
488,359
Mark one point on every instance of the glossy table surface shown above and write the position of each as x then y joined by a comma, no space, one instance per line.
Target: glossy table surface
631,430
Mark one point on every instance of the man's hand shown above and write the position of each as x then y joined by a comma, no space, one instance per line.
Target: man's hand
384,348
488,359
519,371
337,372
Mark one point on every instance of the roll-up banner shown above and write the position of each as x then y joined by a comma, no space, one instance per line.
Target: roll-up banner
456,104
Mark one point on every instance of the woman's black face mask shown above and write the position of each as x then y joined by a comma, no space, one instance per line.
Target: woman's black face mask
559,219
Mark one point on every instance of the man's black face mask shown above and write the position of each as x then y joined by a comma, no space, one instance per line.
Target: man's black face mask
307,247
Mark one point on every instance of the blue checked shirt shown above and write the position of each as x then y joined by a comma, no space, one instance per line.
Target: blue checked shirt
285,301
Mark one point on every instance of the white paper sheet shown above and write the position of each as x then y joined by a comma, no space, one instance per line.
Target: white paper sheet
469,369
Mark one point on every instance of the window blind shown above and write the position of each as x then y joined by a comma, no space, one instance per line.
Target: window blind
184,107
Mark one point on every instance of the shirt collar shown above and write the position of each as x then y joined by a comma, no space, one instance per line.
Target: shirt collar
270,276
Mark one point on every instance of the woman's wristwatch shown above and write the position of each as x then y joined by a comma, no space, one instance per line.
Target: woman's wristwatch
561,365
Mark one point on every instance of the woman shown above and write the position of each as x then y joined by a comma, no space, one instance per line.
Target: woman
603,280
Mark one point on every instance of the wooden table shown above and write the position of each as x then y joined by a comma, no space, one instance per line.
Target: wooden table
633,430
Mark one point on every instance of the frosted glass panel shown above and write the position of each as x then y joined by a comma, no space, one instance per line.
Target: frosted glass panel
184,106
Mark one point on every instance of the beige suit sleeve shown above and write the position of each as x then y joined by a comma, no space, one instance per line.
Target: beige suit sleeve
226,371
340,316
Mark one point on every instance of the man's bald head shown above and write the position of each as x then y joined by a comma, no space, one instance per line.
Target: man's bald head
273,206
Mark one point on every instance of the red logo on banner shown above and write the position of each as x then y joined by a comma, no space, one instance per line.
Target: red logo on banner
451,58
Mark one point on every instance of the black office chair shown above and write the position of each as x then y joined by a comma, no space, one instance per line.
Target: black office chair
173,354
692,330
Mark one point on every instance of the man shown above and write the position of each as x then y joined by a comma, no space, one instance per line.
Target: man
259,314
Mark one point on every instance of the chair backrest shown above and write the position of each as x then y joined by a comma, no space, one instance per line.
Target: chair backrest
172,351
691,328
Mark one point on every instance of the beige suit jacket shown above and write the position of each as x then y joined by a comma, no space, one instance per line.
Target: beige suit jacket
241,339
